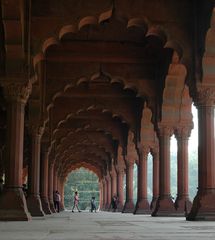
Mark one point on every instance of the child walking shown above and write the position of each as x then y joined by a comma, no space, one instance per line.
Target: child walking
76,200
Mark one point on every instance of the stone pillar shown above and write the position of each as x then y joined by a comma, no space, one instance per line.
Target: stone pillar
108,203
50,189
165,205
142,205
101,195
33,200
120,191
104,194
13,205
113,183
62,183
182,203
203,205
155,155
129,204
44,182
55,180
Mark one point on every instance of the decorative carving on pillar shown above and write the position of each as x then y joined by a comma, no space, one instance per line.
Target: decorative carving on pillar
205,96
17,91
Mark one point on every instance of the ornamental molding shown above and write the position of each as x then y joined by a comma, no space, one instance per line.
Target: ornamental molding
205,96
17,91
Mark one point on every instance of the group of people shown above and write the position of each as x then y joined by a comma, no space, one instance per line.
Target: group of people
114,203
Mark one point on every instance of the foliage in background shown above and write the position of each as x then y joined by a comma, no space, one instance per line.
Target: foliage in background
86,183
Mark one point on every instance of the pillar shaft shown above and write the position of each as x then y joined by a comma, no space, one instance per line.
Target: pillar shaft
12,202
203,206
33,201
120,191
108,203
155,186
164,205
142,205
129,204
182,203
50,188
44,183
113,184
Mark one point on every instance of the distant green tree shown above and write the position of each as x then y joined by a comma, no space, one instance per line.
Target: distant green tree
86,183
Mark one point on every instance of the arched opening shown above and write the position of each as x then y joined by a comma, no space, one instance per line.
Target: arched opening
135,183
124,188
173,167
85,183
150,178
193,155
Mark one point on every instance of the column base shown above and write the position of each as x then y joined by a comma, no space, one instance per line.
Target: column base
62,208
153,203
128,207
13,205
142,207
45,205
34,206
164,207
183,205
119,207
52,208
203,208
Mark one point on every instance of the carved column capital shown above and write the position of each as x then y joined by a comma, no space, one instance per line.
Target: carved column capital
144,149
36,130
183,132
165,131
205,96
17,91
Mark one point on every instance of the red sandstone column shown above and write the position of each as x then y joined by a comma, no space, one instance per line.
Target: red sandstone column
108,180
113,183
129,204
12,202
101,194
142,205
55,180
165,205
62,183
120,192
44,182
203,206
33,200
155,154
105,193
182,203
50,189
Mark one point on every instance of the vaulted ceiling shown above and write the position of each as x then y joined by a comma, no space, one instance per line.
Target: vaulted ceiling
95,63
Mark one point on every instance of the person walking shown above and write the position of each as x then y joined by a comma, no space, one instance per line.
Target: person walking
93,204
76,201
57,199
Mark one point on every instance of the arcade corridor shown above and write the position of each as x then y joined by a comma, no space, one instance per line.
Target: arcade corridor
103,84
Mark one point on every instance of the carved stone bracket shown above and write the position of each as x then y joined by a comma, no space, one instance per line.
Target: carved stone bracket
165,131
37,130
205,96
183,132
17,91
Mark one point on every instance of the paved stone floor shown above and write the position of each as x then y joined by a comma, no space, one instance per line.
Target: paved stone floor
106,226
